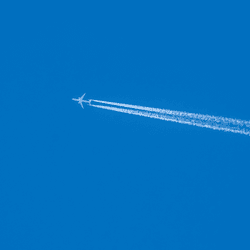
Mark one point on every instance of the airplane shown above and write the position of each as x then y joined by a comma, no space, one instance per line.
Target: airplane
80,100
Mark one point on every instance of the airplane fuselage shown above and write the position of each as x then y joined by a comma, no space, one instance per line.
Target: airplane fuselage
80,100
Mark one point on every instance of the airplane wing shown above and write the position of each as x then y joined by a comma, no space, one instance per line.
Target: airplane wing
81,105
83,96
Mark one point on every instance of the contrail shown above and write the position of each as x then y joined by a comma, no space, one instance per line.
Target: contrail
218,119
204,121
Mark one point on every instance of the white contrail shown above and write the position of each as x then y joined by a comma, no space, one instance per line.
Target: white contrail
217,119
204,121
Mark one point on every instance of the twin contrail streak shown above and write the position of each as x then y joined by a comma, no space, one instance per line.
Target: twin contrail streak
204,121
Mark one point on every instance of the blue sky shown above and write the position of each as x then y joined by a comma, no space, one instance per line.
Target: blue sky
96,179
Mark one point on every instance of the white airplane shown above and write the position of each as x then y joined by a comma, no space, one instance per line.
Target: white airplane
80,100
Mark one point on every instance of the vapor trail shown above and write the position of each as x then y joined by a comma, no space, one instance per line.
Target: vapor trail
204,121
217,119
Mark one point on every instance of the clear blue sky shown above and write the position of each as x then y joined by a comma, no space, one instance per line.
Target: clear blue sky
96,179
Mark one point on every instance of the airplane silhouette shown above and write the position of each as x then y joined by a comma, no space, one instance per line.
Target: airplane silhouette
80,100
